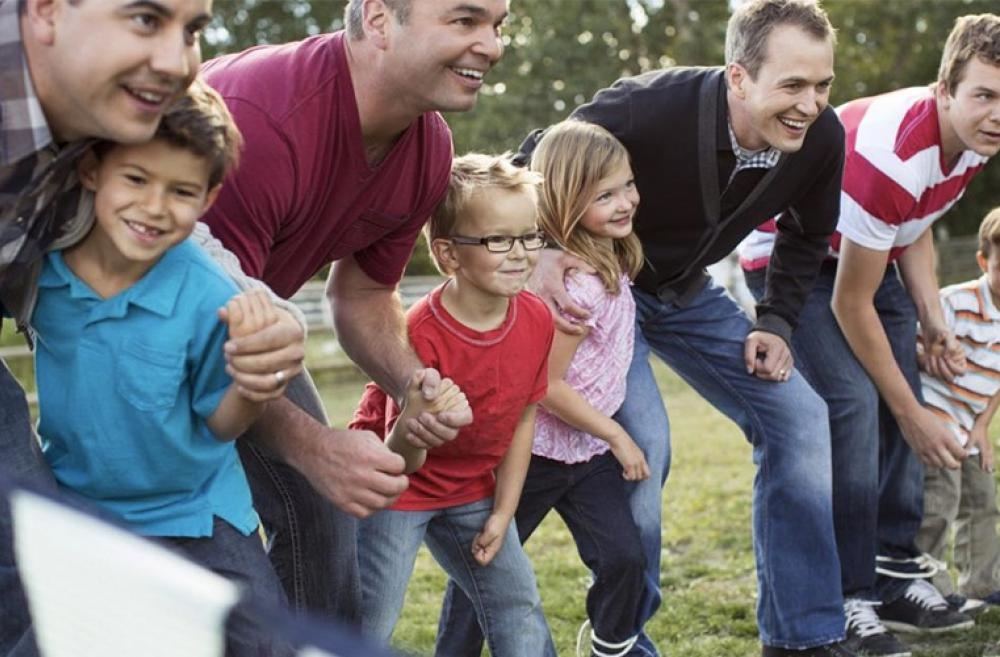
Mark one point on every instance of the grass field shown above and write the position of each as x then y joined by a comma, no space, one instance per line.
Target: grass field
707,574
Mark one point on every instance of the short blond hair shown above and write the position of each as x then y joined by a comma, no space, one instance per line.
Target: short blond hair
972,36
989,232
471,175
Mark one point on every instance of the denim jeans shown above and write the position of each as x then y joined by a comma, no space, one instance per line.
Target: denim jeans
878,481
241,559
590,498
644,417
20,459
799,601
503,592
312,543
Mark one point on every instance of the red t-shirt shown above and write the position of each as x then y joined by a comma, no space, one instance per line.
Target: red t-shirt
500,371
303,194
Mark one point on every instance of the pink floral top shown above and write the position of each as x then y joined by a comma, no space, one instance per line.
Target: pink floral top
597,371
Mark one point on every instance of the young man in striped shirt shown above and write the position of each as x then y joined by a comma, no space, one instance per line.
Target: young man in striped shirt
910,155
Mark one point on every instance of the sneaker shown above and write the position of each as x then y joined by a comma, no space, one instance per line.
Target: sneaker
969,606
867,635
992,598
839,649
922,609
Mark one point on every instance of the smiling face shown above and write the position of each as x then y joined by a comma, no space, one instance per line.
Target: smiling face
970,118
439,56
148,198
479,272
791,89
109,68
610,213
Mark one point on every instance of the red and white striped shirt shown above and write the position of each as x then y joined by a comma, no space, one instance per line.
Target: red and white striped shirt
895,181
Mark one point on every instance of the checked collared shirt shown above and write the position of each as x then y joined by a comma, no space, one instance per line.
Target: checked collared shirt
39,194
765,158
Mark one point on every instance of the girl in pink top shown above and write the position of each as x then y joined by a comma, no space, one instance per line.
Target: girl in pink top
581,457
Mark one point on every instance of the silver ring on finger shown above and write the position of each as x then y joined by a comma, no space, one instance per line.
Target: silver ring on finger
279,377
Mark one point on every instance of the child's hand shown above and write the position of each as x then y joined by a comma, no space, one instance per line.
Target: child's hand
449,399
488,542
249,312
978,438
634,466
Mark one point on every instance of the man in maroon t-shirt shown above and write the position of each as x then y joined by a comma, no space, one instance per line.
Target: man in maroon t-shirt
345,158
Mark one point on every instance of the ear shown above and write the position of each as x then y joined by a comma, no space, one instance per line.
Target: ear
211,196
942,94
736,78
40,19
86,170
982,261
445,253
375,18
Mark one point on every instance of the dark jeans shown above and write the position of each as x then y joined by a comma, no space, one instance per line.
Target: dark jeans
312,543
877,479
241,559
590,497
20,459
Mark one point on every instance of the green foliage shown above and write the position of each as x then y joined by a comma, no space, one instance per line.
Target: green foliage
559,52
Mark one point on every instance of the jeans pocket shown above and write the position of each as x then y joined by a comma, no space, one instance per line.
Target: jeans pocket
148,377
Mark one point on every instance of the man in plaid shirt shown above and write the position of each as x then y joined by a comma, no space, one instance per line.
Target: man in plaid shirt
68,72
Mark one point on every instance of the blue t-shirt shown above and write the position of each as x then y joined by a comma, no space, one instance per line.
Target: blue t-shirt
125,386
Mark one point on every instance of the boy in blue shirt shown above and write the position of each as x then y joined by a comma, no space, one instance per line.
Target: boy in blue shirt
137,412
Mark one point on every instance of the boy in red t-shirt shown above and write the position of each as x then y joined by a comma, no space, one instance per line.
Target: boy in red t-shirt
492,338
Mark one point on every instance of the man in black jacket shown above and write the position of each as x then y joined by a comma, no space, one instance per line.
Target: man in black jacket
716,152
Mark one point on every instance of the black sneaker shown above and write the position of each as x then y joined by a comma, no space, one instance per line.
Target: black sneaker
922,609
866,634
839,649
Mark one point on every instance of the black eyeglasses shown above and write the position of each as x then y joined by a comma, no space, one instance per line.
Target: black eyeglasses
504,243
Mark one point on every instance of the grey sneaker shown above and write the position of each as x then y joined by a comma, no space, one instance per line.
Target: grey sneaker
867,635
921,609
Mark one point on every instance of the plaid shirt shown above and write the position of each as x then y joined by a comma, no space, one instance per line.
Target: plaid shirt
39,194
746,159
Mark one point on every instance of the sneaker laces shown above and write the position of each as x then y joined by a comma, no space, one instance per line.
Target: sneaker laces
927,566
622,647
924,594
862,618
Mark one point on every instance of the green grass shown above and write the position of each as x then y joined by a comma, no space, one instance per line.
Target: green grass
707,574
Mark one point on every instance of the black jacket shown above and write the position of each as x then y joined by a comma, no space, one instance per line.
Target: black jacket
674,124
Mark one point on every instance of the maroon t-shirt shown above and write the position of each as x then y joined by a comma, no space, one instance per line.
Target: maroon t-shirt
303,194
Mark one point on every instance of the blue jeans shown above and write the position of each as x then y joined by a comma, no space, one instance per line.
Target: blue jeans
590,498
312,544
503,593
21,460
241,559
799,601
878,481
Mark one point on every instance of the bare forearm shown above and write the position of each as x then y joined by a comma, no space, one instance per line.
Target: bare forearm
569,406
916,265
288,432
234,415
984,419
397,442
514,466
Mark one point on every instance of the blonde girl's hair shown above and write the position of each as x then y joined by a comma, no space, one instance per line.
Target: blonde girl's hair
573,158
